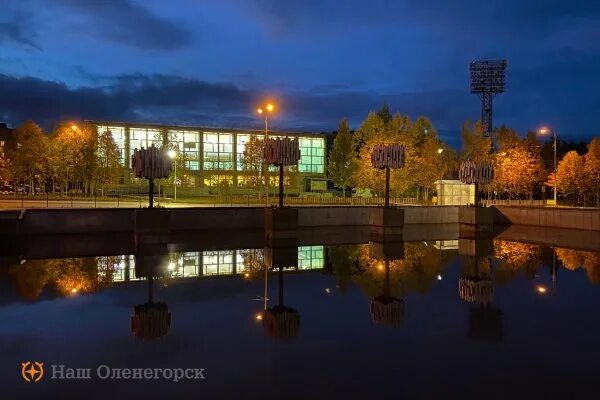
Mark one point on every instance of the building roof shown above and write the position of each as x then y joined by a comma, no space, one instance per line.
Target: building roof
201,128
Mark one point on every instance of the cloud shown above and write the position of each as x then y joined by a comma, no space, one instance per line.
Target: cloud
126,22
170,99
11,32
512,17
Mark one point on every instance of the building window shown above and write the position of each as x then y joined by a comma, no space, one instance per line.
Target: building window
218,151
218,262
310,257
312,155
188,144
142,137
214,180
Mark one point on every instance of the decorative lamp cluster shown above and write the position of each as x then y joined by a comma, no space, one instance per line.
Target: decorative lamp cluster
282,151
475,289
150,163
472,172
387,156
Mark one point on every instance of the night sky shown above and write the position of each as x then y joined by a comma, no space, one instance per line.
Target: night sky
211,62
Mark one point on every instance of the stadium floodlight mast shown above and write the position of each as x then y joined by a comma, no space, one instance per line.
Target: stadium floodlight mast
488,78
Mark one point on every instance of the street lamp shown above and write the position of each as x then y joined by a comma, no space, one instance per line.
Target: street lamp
172,154
266,110
545,131
440,150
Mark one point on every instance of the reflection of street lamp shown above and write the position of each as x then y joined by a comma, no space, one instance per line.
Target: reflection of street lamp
266,110
546,131
172,154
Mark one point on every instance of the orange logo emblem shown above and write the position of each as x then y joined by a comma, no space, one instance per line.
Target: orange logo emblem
32,371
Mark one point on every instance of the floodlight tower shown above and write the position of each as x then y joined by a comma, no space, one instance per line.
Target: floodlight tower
488,77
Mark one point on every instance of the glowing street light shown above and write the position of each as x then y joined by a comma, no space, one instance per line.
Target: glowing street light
544,130
440,150
541,289
266,110
173,154
74,127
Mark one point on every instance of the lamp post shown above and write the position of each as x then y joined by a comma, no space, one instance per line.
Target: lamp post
545,131
266,110
172,154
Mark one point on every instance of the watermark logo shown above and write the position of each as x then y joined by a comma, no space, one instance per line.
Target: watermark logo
32,371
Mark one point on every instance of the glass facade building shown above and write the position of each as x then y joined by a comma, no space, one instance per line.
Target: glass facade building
215,155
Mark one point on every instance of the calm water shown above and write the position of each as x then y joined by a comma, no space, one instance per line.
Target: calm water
515,319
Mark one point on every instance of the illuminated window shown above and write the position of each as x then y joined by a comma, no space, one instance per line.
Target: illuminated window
188,143
214,180
312,155
217,262
310,257
142,137
218,151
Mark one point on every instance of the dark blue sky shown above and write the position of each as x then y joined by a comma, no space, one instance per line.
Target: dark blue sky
211,62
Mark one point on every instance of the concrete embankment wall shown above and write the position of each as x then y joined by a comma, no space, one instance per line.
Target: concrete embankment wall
78,221
567,218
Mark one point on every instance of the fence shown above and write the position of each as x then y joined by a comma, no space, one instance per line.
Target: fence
537,203
140,200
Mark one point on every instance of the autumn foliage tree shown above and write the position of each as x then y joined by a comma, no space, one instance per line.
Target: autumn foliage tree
342,158
570,176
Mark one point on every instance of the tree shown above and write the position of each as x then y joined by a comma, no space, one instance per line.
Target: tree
342,158
252,162
570,177
109,166
30,154
5,170
76,150
518,170
384,113
476,147
592,168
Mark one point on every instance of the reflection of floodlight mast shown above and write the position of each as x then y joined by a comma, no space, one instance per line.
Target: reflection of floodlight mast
488,77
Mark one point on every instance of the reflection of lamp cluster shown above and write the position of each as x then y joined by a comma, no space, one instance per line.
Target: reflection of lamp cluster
280,322
150,320
476,286
387,310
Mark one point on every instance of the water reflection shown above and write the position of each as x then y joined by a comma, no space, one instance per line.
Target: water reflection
280,321
476,286
151,320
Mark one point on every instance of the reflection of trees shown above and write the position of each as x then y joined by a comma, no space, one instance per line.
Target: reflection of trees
574,259
253,263
417,272
344,262
67,275
514,257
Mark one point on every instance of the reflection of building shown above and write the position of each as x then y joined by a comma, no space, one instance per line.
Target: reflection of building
216,262
446,244
215,155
